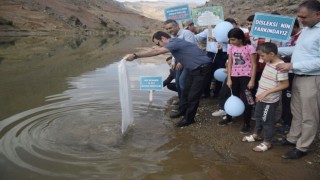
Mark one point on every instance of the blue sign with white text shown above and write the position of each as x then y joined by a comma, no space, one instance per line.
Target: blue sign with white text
178,13
151,83
272,26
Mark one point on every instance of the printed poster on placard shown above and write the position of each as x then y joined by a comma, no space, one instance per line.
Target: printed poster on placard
272,26
151,83
197,12
178,13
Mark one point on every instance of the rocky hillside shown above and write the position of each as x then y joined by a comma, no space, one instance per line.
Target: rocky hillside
241,9
96,16
237,9
65,16
151,9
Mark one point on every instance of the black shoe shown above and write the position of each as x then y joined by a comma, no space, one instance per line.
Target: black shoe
294,154
285,142
245,129
183,123
224,122
176,114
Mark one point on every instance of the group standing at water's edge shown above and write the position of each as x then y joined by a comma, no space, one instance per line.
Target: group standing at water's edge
194,61
305,64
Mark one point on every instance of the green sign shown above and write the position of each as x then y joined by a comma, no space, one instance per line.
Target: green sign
197,12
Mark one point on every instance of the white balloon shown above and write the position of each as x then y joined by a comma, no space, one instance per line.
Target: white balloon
220,74
221,30
234,106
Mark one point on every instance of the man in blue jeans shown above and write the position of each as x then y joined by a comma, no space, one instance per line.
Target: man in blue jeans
193,59
172,27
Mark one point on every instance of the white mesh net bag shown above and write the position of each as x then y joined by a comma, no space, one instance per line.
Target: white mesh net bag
125,96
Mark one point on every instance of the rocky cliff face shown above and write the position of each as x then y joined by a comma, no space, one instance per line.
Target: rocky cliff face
151,9
237,9
73,16
65,16
241,9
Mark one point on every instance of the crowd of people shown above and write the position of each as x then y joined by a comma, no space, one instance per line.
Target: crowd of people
259,71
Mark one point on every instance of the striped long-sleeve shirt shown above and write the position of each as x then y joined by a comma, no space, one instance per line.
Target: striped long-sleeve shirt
271,78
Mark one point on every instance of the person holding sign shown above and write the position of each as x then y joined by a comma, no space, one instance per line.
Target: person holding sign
305,64
189,25
286,115
193,59
217,51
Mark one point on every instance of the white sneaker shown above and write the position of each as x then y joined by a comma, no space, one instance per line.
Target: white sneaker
220,112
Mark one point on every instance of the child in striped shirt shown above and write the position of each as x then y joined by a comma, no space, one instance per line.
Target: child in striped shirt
271,84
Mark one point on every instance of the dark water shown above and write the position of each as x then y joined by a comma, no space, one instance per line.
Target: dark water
60,110
60,116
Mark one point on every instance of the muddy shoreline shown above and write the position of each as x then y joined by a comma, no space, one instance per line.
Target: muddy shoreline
226,141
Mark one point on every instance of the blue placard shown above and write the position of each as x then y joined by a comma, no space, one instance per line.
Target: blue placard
151,83
178,13
272,26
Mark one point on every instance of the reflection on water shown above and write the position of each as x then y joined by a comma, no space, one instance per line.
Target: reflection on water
60,115
34,68
75,133
80,130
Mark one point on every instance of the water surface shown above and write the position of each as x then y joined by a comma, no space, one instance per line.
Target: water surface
61,115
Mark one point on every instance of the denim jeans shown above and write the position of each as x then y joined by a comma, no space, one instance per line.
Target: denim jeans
181,80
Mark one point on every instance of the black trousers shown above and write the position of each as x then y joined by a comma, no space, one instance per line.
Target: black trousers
239,85
172,87
224,94
219,61
192,93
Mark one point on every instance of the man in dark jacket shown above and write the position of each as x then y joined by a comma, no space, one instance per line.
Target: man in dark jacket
168,82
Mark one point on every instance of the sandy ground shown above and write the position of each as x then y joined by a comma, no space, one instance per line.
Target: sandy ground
226,141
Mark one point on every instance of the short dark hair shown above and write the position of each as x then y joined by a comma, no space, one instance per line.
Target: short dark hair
160,34
312,5
238,34
250,18
268,47
170,21
232,21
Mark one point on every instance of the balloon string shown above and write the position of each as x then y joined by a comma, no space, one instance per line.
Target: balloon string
214,58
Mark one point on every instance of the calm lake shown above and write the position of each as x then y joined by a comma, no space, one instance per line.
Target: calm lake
60,119
60,114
